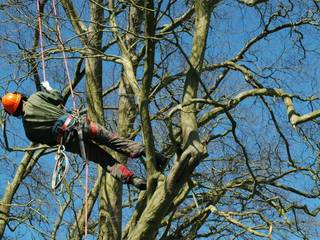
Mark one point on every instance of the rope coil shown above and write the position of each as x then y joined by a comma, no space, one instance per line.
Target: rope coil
60,169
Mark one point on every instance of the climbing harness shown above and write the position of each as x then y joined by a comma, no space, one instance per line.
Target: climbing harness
68,123
61,169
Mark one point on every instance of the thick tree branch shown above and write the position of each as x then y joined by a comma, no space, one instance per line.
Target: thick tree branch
75,20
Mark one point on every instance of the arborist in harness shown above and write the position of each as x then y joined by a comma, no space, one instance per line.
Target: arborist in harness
46,121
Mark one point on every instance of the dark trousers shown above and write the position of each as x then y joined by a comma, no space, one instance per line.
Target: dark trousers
95,135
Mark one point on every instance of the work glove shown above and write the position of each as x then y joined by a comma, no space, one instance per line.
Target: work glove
46,86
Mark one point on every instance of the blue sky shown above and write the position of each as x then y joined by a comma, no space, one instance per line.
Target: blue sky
232,27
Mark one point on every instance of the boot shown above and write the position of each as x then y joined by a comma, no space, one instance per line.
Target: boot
138,183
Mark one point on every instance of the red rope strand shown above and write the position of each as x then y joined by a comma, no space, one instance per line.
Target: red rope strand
75,108
41,43
71,91
63,52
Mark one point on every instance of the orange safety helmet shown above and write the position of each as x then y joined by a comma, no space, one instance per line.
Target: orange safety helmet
11,102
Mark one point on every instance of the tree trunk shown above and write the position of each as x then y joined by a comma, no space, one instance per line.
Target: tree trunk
194,151
91,39
148,137
110,191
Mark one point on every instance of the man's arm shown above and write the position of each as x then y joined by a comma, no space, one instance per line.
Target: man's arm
52,95
46,86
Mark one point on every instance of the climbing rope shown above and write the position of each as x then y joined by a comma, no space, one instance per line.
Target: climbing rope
60,169
59,35
41,42
60,154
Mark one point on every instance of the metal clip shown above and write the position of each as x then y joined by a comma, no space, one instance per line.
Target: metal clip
61,167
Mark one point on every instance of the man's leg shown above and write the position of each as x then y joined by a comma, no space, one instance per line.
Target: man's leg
101,135
116,169
132,149
105,160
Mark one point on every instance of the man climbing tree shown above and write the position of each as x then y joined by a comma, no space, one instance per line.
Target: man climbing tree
228,89
46,121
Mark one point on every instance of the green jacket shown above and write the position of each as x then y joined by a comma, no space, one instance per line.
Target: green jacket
41,111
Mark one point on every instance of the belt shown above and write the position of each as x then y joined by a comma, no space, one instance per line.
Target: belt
63,128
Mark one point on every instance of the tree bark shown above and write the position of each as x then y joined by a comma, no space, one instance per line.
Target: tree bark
148,138
158,205
110,191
